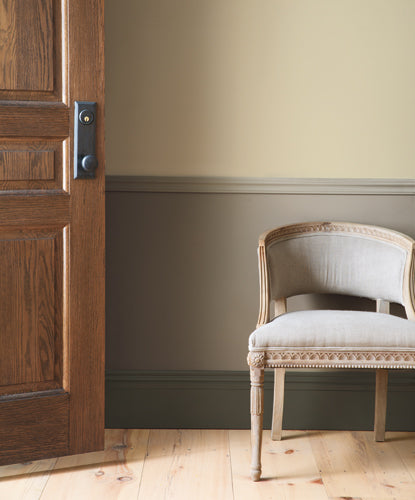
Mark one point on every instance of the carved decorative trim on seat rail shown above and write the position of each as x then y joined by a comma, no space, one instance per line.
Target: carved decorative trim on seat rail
332,359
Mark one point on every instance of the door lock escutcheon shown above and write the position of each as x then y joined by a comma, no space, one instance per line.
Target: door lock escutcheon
85,160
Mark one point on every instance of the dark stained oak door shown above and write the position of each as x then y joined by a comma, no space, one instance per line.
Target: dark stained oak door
51,231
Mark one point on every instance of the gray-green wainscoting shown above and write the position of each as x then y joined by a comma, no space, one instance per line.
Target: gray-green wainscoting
182,299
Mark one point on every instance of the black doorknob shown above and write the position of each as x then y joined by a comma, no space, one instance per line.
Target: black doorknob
89,163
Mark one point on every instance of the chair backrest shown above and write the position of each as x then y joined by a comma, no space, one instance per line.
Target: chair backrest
341,258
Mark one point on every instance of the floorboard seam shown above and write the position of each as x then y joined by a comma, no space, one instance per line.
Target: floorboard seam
144,463
49,475
230,464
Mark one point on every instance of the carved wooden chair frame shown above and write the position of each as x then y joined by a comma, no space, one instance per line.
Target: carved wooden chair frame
271,307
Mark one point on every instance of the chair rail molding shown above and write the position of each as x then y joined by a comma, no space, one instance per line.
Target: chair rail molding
258,185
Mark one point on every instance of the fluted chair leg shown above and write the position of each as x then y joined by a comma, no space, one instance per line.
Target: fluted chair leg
381,395
278,407
257,411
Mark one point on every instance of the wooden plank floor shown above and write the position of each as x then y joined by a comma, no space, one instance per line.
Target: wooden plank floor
214,465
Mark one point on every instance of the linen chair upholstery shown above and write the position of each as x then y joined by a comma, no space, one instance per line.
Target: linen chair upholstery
330,257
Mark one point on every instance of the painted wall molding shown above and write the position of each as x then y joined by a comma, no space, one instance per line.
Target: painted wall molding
258,185
333,399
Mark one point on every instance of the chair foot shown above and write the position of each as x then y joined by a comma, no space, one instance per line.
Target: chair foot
255,475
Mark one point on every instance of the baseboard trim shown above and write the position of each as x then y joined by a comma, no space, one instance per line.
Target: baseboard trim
258,185
336,400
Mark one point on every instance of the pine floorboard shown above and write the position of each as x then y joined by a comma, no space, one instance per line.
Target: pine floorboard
168,464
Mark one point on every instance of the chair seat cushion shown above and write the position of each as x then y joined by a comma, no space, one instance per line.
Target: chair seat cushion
335,329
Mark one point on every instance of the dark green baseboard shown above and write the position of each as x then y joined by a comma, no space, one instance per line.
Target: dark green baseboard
337,400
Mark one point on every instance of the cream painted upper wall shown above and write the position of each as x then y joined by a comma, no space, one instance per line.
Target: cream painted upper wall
275,88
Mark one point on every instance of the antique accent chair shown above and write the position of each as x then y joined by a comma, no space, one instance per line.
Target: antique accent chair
339,258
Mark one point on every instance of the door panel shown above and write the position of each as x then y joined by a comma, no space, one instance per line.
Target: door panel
31,320
35,428
31,164
31,49
51,232
25,165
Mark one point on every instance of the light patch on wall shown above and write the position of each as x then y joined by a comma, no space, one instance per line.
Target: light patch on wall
274,88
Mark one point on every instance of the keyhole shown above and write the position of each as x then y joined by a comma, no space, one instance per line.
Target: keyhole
86,117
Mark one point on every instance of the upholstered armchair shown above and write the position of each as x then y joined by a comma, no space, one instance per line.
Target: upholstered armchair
340,258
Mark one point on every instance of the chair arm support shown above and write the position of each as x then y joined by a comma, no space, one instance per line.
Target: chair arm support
264,298
409,287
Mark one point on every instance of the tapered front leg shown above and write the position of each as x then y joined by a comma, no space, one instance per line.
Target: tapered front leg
381,395
257,412
279,380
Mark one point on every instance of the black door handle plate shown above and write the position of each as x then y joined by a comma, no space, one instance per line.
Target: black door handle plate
85,160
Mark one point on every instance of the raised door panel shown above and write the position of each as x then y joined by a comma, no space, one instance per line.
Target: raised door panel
31,319
32,164
31,49
34,428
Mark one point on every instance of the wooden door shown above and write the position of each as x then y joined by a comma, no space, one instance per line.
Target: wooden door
51,232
